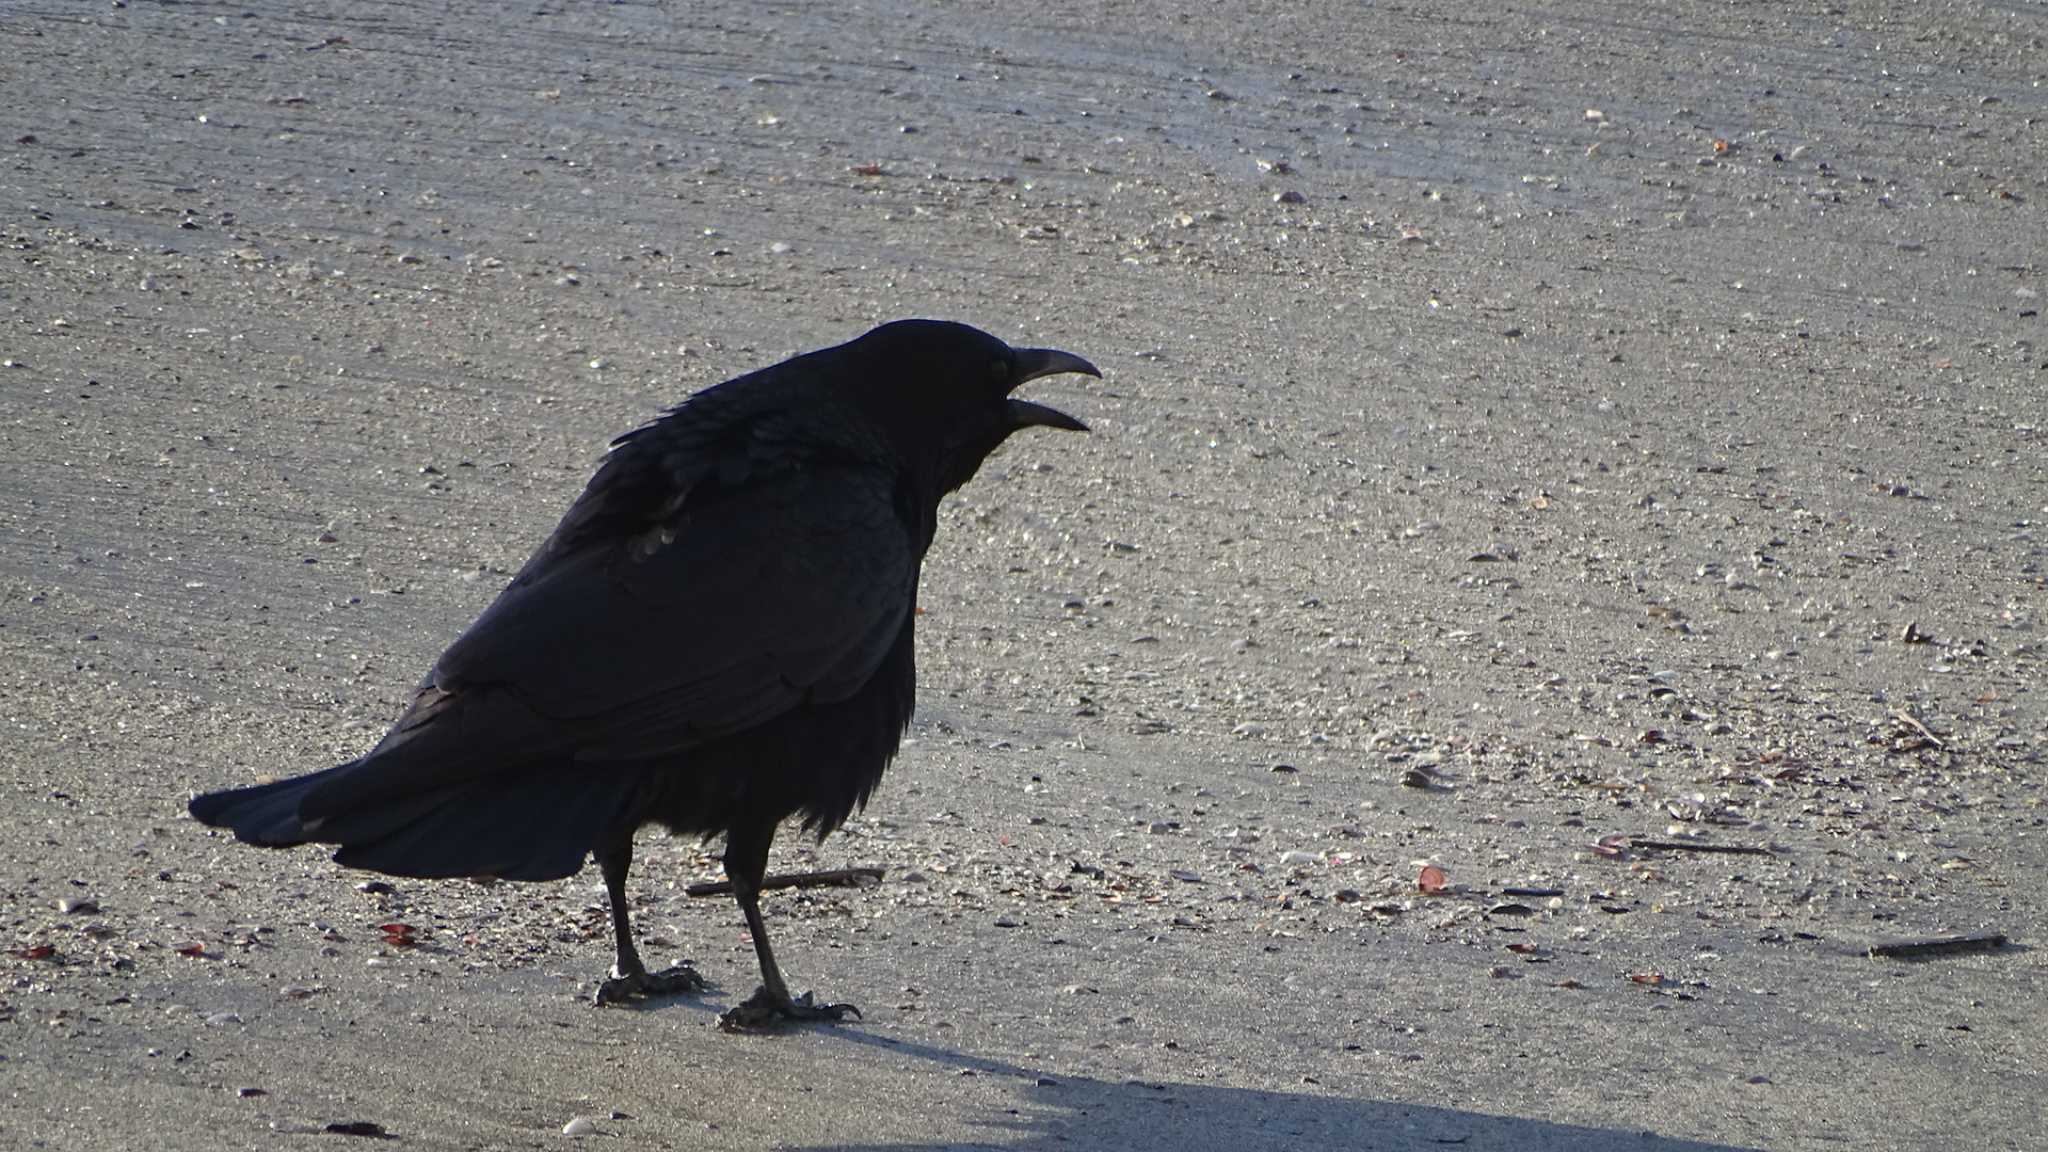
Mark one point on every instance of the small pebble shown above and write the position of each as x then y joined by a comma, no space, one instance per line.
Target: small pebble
580,1126
220,1018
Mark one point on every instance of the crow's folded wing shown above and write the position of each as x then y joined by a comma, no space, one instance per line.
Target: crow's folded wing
691,593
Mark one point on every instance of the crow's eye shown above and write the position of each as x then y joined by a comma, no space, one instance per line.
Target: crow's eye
999,370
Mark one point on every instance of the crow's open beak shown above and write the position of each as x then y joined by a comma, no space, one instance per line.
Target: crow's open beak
1035,362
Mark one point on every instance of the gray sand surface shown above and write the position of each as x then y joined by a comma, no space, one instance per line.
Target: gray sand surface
1618,420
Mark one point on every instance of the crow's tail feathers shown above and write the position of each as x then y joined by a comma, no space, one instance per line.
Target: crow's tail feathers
537,825
267,814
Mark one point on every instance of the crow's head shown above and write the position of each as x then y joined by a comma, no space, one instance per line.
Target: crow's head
944,390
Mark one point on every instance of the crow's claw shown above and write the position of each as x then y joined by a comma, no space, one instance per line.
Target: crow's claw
640,985
764,1010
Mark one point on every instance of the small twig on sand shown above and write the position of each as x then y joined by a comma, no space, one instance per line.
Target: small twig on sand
1692,846
1914,723
1939,946
830,878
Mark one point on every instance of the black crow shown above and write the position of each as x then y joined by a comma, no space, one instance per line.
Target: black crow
716,636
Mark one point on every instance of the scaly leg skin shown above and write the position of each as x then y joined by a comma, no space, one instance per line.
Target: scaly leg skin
630,979
746,861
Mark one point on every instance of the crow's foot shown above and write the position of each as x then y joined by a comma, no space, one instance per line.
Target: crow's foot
765,1010
642,984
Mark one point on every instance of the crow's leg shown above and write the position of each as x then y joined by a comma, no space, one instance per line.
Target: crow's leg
746,861
630,978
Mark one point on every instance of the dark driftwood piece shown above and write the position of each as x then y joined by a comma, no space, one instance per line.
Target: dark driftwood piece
831,878
1939,946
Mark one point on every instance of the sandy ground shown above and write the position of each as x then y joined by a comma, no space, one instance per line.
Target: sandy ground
1525,425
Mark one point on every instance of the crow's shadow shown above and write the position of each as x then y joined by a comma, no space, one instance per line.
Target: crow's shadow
1067,1113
